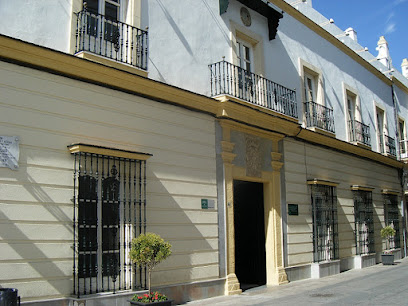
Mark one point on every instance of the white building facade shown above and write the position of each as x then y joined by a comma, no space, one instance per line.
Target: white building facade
294,131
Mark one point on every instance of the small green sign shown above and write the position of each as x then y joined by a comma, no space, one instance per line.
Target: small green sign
204,203
293,210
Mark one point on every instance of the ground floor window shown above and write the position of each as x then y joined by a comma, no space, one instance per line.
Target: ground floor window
391,217
110,210
325,224
364,222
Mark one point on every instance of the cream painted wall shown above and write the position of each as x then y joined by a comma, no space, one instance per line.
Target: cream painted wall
302,162
49,112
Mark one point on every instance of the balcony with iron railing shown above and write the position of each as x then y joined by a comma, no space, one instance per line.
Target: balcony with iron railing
319,116
387,145
234,81
359,132
111,39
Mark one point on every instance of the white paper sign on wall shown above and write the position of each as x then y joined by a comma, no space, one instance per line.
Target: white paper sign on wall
9,152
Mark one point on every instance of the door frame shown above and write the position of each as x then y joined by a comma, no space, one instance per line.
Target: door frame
275,271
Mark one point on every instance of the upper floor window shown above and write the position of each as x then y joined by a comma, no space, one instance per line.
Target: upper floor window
380,129
101,30
310,88
317,114
351,107
245,55
402,138
108,8
386,144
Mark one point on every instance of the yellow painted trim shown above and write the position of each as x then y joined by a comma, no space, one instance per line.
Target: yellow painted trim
362,188
321,131
258,108
84,148
322,182
78,68
111,63
348,147
287,8
390,191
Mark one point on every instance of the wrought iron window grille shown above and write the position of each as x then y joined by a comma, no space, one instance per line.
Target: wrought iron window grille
364,222
325,224
391,218
109,210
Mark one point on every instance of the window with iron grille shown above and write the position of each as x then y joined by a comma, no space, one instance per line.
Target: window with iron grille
325,224
391,216
364,222
110,210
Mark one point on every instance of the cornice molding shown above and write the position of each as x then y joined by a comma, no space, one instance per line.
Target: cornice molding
362,188
347,147
321,182
105,151
71,66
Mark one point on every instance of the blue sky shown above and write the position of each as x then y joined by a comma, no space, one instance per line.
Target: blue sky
371,19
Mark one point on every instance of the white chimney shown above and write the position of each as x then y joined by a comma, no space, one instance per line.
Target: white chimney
384,53
351,33
404,67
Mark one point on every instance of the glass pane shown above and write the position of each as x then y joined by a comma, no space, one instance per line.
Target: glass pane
92,6
111,11
247,53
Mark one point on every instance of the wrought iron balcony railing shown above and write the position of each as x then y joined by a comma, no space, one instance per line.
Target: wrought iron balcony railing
229,79
390,146
359,132
111,39
319,116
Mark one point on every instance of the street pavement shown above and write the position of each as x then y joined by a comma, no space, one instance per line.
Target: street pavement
375,285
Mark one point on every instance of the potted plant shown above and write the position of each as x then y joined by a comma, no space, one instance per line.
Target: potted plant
387,257
149,250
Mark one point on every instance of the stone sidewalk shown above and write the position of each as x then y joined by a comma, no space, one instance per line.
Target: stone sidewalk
375,285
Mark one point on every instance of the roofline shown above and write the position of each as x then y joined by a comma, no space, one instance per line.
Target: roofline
286,7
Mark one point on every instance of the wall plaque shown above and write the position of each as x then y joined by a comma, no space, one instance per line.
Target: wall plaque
9,152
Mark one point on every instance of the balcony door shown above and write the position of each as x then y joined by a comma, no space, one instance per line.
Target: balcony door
245,56
403,142
380,130
103,27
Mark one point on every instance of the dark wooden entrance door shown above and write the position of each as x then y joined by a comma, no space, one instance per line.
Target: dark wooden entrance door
250,258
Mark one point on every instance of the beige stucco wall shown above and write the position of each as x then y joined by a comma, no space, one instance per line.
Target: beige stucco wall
48,112
304,161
